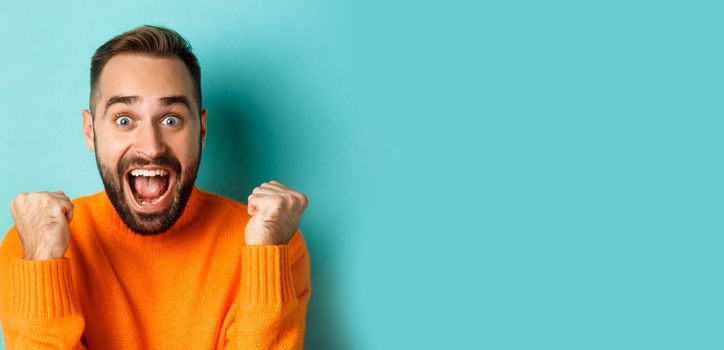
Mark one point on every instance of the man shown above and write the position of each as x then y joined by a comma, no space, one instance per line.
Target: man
153,262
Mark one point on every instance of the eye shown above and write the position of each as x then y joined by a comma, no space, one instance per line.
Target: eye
123,121
171,120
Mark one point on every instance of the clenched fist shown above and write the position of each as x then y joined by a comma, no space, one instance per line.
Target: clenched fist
276,211
41,219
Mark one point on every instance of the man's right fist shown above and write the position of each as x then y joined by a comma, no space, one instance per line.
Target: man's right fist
41,219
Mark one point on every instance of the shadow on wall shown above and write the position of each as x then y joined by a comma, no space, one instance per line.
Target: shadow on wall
242,151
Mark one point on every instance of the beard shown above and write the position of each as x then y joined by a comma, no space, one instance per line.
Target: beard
149,224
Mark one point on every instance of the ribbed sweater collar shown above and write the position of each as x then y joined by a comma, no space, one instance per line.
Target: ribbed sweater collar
114,225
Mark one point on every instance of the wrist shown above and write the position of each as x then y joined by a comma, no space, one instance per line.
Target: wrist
262,242
42,254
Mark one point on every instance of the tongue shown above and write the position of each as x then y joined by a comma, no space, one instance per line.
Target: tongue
150,187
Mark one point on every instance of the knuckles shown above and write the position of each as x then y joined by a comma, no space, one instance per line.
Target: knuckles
21,197
284,199
279,200
37,200
302,198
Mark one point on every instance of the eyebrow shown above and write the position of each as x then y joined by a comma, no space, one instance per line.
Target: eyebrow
129,100
165,101
176,99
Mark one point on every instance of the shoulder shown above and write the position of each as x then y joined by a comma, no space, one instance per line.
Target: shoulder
239,211
220,207
218,211
88,201
11,247
221,201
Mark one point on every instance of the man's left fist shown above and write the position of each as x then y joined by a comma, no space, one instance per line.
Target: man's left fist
276,211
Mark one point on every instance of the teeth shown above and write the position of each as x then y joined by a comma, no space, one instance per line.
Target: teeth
143,172
150,202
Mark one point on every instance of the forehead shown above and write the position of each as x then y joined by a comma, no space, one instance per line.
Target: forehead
146,76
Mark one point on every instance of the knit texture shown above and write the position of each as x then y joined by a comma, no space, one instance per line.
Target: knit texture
195,286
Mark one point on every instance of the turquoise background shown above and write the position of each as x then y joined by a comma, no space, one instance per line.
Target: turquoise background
481,175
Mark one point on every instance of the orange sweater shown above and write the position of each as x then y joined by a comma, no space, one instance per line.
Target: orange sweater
196,286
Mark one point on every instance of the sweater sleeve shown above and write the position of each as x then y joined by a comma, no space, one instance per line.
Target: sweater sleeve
38,305
273,296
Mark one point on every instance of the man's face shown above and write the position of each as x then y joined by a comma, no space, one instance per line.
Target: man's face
147,136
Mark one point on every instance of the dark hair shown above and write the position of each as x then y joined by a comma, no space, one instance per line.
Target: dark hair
147,40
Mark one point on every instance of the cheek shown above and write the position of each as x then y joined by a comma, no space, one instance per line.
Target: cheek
110,149
185,148
111,152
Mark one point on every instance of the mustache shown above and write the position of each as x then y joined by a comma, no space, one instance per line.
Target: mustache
166,161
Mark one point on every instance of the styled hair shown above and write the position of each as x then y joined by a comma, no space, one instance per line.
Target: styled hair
146,40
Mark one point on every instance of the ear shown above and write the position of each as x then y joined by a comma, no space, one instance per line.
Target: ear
88,130
204,112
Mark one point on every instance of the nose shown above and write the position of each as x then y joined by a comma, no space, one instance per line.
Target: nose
149,142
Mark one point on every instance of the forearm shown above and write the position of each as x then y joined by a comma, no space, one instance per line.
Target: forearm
273,297
40,309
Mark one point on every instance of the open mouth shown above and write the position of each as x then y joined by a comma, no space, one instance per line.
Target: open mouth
149,188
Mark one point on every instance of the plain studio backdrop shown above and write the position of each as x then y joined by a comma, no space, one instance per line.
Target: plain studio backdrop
527,175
